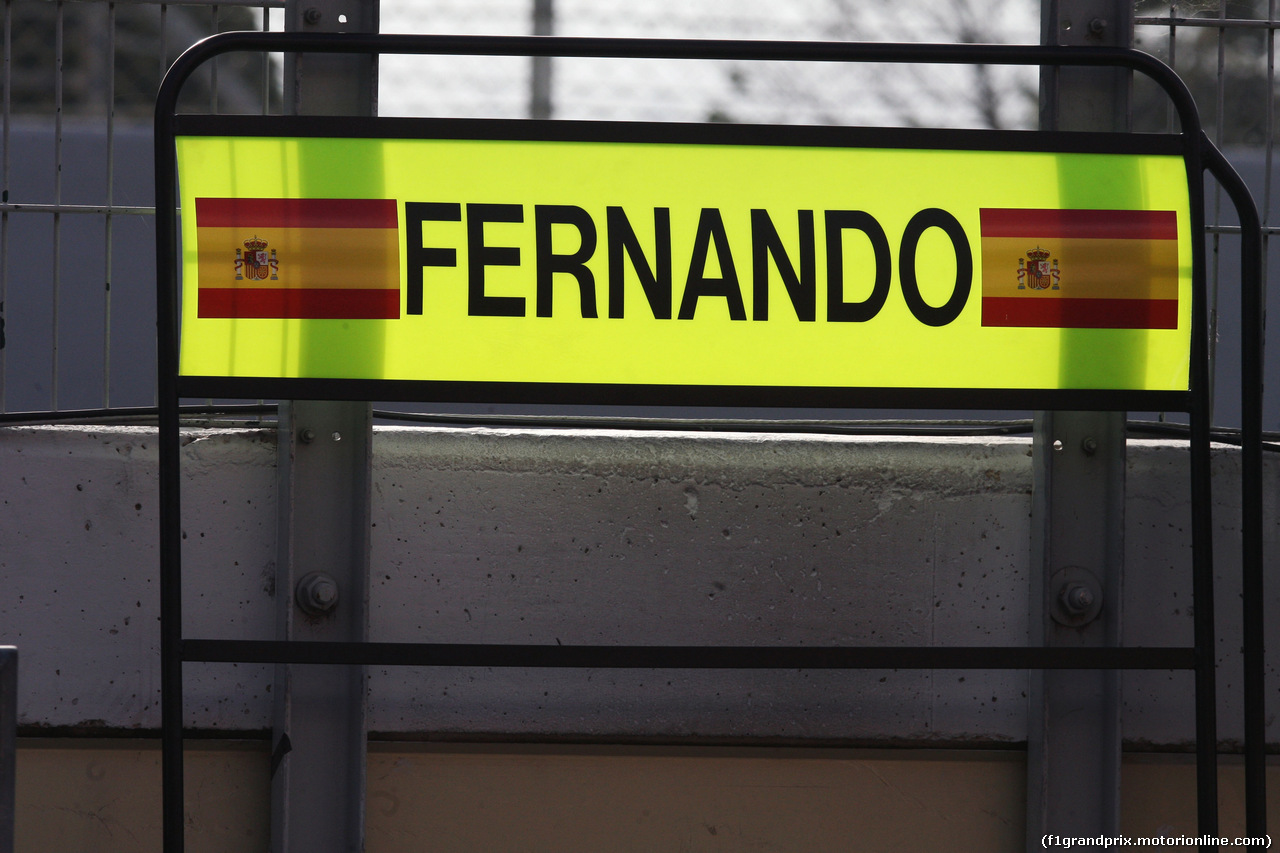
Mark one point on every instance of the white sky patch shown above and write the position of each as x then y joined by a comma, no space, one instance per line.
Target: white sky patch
675,90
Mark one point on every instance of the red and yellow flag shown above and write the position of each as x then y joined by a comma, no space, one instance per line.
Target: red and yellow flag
1080,269
298,258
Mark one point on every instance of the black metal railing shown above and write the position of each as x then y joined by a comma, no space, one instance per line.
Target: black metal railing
1199,154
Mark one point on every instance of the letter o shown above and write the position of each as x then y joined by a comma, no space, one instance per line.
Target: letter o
924,312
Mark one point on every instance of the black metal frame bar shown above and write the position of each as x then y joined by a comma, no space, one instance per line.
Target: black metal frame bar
688,657
1198,153
8,745
1252,319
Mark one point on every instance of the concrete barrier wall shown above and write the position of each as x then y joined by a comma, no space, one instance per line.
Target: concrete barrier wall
579,537
538,536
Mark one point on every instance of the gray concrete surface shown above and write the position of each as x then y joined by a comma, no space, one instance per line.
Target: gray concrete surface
540,536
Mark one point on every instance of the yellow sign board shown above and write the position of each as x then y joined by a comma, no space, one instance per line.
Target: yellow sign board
499,259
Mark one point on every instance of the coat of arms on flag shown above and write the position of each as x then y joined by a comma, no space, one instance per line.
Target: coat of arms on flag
1034,271
253,262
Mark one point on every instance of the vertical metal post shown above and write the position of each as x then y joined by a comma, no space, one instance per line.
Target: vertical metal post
170,484
540,71
8,744
327,83
322,571
1073,741
318,758
6,162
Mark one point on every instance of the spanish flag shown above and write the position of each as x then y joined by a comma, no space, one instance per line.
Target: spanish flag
1080,269
298,258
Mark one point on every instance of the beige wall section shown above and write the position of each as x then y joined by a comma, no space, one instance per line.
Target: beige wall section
646,799
1158,795
103,796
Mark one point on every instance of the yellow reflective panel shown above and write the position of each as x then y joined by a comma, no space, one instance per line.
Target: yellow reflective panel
492,260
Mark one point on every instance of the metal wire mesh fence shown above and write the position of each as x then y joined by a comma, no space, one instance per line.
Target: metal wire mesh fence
77,315
1225,51
76,259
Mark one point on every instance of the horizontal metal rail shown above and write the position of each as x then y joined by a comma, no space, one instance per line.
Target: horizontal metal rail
686,657
249,4
101,210
1208,23
1268,230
